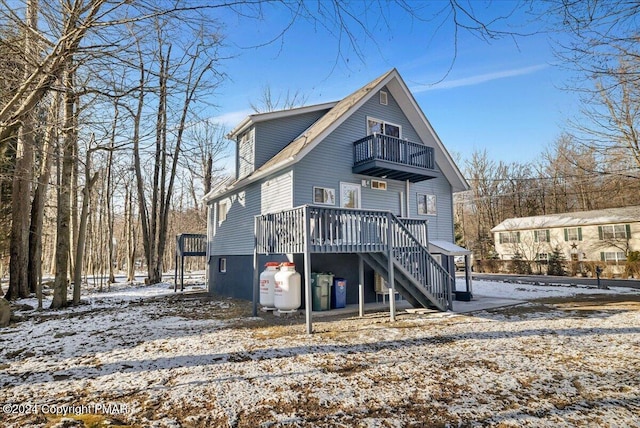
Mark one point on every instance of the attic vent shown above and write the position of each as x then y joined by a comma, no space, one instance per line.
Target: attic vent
383,98
378,184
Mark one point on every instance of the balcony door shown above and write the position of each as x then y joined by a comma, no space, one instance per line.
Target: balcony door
377,126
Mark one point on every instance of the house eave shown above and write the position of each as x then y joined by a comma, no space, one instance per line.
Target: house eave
244,182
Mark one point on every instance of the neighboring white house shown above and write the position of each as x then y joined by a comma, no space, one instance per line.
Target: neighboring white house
606,235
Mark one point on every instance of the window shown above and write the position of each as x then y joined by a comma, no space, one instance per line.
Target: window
427,204
383,98
614,231
573,234
324,196
223,208
509,237
542,257
376,126
349,195
379,184
541,236
222,264
613,256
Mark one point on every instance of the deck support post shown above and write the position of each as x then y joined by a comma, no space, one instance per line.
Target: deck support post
308,298
361,285
181,274
175,276
256,281
392,289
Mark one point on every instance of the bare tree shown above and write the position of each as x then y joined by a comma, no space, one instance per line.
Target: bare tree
63,229
179,79
205,148
268,101
39,199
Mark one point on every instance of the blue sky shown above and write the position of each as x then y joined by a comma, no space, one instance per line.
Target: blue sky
503,96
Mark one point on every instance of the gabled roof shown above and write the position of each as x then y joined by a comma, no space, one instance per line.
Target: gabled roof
309,139
576,219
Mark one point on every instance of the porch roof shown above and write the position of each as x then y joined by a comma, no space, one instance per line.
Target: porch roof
447,248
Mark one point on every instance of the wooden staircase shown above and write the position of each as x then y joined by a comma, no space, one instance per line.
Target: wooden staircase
376,236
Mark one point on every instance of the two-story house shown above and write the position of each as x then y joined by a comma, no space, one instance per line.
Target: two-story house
352,187
606,235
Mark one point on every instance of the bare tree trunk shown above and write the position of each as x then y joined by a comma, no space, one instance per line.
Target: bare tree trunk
63,246
38,205
130,234
23,173
82,228
20,207
109,204
142,204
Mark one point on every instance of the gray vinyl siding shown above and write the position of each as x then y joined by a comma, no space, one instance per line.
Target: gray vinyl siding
440,225
276,194
274,135
332,160
234,236
245,154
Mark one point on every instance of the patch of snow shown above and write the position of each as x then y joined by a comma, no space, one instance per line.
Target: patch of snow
193,362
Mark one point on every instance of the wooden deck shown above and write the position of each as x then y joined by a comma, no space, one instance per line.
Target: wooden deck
396,248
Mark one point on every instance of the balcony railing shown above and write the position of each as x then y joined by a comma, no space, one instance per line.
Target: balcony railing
381,154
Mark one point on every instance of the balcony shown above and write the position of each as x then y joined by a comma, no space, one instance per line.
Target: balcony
388,157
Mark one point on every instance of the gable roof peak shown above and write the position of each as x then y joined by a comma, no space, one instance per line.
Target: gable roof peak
338,113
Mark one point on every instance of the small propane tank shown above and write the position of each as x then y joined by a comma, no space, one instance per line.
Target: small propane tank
267,284
287,294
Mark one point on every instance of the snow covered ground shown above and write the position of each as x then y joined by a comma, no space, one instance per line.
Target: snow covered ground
143,356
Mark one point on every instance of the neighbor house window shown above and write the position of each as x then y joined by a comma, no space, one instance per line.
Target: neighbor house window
613,256
541,235
376,126
509,237
324,196
573,234
614,231
542,257
427,204
222,264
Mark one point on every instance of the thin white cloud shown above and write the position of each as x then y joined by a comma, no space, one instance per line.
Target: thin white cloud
481,78
232,118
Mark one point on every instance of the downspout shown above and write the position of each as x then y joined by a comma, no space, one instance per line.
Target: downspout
406,199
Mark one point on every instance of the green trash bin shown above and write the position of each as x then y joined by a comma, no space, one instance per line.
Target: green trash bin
321,289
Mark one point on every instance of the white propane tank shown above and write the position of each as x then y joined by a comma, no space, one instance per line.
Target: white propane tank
267,284
287,294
